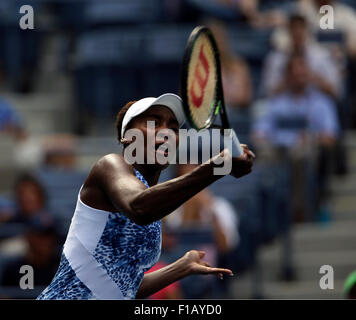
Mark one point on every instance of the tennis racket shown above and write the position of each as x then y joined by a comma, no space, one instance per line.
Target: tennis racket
201,86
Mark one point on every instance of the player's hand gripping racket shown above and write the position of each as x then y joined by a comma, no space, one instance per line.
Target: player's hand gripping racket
201,85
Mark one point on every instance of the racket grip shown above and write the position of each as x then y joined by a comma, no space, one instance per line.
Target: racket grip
236,149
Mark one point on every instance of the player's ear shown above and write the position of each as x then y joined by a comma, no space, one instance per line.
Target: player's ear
125,141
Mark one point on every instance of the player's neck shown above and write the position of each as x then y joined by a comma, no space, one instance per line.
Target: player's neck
151,173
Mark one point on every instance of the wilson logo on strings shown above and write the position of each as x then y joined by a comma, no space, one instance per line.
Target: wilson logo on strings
200,79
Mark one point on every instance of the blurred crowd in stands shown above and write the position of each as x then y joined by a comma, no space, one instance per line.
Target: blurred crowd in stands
289,90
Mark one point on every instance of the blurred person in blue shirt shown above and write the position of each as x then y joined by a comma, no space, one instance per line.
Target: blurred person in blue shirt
6,208
298,111
10,121
301,123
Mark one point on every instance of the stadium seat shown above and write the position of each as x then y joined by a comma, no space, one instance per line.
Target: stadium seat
19,49
69,14
252,44
9,230
108,70
243,194
215,9
112,12
164,51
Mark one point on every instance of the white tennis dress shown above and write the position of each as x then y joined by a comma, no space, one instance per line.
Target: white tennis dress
105,255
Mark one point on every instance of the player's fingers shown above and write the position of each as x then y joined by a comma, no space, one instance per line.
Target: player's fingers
205,264
219,270
248,151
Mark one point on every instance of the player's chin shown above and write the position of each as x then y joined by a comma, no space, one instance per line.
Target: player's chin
164,158
162,166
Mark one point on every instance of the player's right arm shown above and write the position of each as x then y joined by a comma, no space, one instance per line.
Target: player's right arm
144,205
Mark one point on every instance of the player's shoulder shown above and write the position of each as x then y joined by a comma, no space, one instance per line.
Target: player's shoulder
111,158
112,162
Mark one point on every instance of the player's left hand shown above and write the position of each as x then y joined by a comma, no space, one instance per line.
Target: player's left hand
195,264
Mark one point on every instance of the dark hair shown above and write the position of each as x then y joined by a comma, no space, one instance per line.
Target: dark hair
297,18
29,178
120,117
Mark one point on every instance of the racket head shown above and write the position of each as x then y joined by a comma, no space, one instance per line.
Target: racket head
201,85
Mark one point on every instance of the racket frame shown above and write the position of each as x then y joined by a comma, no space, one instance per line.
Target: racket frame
219,107
219,92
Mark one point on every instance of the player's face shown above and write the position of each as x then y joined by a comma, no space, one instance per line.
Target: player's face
165,129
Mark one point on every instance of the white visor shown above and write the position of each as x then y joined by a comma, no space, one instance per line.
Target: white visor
169,100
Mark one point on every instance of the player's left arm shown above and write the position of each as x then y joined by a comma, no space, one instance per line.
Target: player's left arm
190,263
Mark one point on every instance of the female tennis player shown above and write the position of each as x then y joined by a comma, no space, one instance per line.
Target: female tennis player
115,233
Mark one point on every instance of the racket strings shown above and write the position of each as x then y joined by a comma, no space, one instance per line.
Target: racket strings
202,82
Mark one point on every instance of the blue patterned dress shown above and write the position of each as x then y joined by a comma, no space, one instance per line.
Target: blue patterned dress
105,255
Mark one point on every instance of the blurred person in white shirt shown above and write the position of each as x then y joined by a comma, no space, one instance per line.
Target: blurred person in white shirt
324,72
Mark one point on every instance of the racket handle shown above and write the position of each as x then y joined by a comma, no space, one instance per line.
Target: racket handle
236,150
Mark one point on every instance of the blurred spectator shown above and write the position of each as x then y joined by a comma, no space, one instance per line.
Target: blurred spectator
6,209
41,254
324,73
344,19
350,286
235,71
59,151
257,18
54,151
31,202
205,211
10,121
298,98
301,122
237,82
341,43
